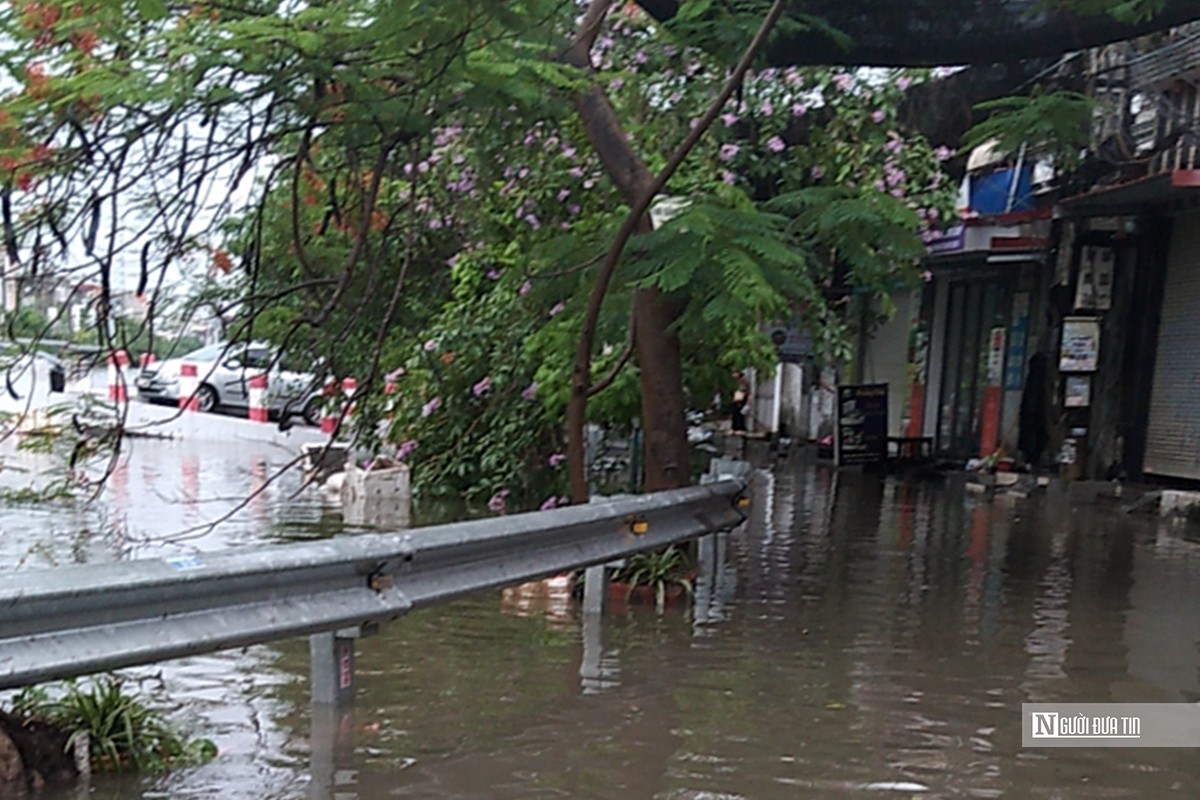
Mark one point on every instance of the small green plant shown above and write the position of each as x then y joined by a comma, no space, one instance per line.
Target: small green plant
659,570
123,733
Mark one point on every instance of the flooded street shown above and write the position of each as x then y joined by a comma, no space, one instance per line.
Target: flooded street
865,637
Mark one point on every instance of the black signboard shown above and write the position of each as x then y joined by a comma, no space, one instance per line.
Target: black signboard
862,424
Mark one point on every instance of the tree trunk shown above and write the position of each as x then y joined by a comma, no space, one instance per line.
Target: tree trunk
666,445
659,356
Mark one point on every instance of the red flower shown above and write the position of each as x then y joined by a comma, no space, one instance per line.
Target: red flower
222,261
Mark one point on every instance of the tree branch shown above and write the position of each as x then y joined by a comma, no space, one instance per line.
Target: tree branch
622,360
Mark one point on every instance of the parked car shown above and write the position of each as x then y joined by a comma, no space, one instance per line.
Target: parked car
224,372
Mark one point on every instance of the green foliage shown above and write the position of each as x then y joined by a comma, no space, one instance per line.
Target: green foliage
1057,123
659,570
400,172
123,732
27,322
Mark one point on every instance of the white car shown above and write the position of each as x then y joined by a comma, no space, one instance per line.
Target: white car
224,372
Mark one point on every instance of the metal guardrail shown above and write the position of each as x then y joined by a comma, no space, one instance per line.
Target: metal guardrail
79,620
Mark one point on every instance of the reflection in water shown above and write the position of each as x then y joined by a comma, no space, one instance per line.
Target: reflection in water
860,637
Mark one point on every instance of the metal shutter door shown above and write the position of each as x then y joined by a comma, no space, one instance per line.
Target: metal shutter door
1173,433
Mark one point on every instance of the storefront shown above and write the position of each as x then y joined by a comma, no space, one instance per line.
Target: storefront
1173,429
971,344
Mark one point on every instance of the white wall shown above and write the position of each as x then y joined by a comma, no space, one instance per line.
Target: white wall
885,358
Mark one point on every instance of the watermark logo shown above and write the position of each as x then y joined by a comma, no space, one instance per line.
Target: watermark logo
1110,725
1052,725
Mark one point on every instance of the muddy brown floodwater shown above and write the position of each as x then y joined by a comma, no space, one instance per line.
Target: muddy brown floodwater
867,638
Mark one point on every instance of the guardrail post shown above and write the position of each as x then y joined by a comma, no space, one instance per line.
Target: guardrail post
591,669
706,561
332,669
331,753
595,589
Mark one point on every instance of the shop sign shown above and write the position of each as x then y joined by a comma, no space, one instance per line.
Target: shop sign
951,240
1080,347
862,424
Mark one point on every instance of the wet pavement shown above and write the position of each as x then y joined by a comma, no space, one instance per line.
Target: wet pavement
865,637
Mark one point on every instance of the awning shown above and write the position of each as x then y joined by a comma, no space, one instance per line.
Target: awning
1134,196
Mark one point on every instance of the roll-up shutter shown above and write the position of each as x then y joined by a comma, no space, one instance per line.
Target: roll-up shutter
1173,433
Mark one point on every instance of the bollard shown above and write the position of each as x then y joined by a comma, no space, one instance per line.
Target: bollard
329,418
349,389
118,386
389,405
189,385
146,360
256,397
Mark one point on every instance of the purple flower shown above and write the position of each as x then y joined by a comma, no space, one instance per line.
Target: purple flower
526,287
529,392
843,81
640,57
563,194
799,109
533,221
818,172
903,82
557,459
728,151
394,375
617,84
430,407
574,209
894,145
558,308
575,172
728,177
493,274
482,387
405,449
767,108
776,144
430,345
550,503
943,153
878,117
729,118
497,503
568,152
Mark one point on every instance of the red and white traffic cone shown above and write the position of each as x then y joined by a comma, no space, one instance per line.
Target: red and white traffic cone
329,419
256,396
118,385
189,385
389,404
146,360
349,389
